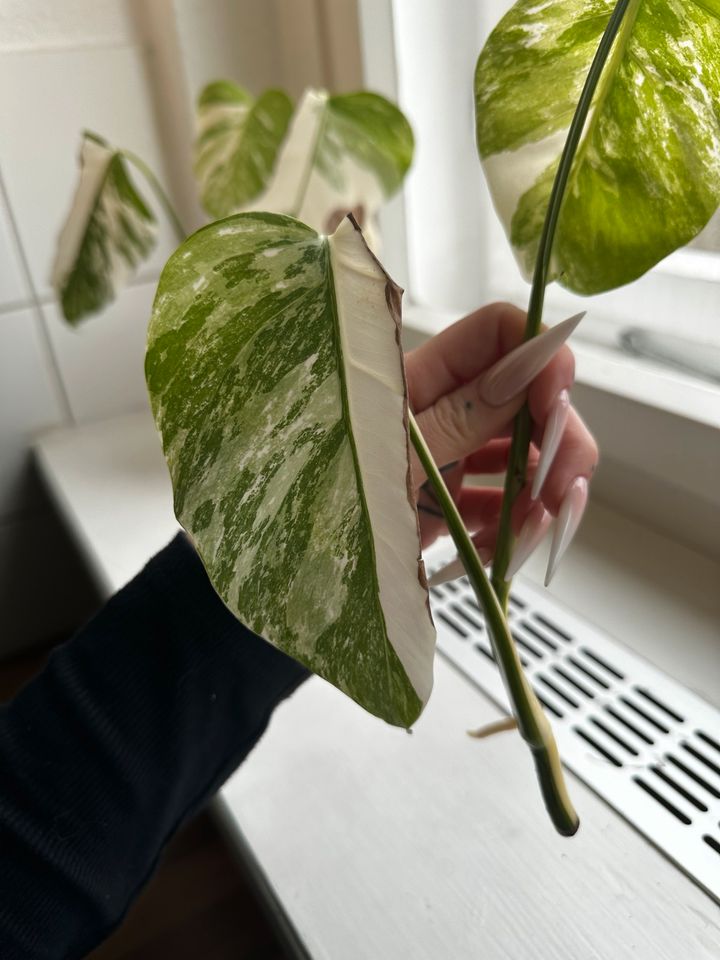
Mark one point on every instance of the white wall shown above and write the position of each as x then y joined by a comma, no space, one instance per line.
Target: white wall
130,70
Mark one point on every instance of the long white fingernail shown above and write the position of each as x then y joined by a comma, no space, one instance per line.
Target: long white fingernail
568,520
552,435
533,530
456,568
519,368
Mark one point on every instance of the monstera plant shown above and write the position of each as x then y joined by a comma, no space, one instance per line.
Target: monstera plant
274,363
334,154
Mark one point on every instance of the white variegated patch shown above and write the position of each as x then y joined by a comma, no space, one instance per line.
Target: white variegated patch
108,232
512,173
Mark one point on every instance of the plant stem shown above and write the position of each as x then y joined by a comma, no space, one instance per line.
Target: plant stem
532,724
517,462
180,231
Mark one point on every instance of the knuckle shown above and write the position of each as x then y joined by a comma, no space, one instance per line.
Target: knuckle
449,420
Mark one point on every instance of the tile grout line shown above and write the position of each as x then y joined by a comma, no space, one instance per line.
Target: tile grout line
35,302
12,306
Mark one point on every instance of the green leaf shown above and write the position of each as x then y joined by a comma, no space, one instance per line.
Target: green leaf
276,380
646,177
343,153
108,232
237,144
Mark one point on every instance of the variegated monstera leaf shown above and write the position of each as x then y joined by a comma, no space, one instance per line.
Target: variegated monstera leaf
276,380
237,145
646,176
345,153
108,232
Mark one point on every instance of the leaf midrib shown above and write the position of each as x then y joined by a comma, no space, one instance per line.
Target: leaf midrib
606,82
708,10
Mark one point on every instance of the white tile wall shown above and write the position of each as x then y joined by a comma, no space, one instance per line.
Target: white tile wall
47,23
101,361
13,288
63,93
29,402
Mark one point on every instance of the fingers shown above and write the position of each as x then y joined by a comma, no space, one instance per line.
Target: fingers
479,508
461,421
466,386
563,495
576,456
461,352
492,458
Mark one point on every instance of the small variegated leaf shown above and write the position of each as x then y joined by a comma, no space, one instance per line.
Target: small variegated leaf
646,176
345,153
237,144
108,232
276,380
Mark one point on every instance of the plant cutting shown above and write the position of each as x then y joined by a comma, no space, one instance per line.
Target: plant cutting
274,364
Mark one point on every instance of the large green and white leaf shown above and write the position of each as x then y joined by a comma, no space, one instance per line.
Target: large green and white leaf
108,232
237,145
646,177
276,380
345,153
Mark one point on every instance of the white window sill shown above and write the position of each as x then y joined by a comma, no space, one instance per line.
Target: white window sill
606,368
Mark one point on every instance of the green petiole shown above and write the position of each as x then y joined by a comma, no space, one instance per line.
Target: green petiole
517,462
163,198
531,721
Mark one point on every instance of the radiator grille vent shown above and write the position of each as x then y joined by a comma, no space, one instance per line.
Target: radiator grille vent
646,744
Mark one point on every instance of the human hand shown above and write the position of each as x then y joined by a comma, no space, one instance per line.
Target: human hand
466,385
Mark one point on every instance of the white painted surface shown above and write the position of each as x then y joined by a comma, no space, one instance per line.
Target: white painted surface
28,403
63,93
379,844
228,39
470,868
29,24
435,55
13,288
102,360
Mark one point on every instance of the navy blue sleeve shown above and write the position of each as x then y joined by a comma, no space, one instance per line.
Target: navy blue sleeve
130,727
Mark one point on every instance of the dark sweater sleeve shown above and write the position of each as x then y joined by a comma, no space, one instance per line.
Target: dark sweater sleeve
129,728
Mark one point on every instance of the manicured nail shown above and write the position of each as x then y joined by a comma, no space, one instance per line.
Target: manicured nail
552,435
536,525
456,568
519,368
568,520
